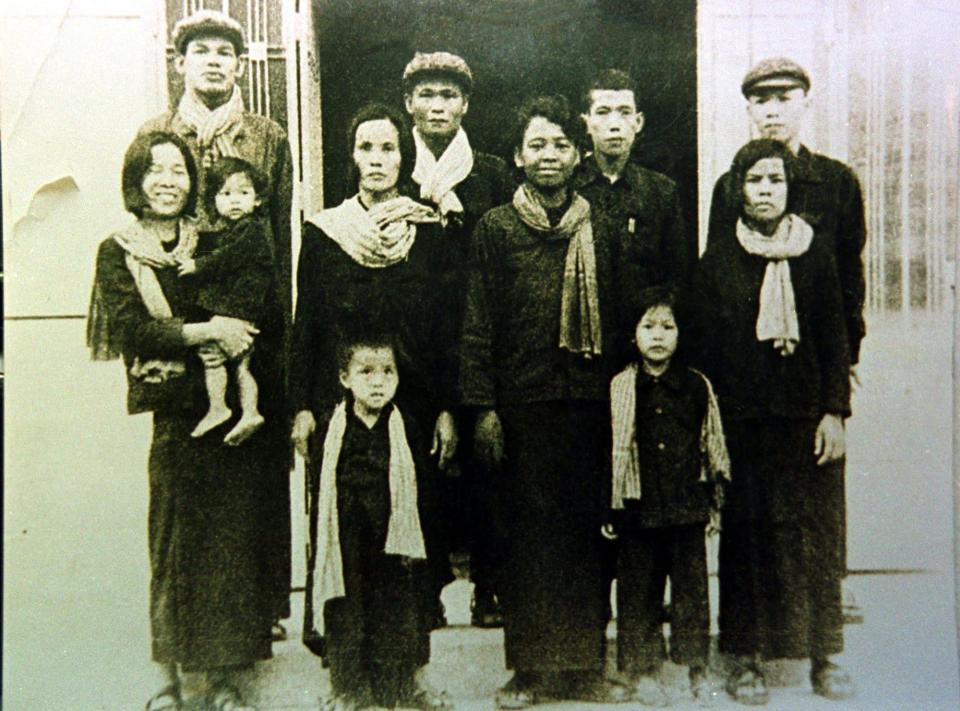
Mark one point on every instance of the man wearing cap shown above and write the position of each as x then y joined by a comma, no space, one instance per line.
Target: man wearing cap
825,191
213,122
463,183
639,208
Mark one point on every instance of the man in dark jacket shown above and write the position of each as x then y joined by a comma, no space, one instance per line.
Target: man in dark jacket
824,191
640,206
535,362
210,117
463,183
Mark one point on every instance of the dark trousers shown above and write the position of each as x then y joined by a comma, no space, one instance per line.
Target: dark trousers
375,636
646,559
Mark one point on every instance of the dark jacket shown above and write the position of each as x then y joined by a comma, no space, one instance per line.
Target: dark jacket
670,410
510,350
826,193
234,269
751,379
143,337
642,211
335,294
489,184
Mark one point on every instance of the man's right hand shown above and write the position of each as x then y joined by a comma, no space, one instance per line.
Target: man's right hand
488,438
304,426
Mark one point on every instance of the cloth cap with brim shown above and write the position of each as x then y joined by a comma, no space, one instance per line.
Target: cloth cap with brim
439,64
207,23
775,73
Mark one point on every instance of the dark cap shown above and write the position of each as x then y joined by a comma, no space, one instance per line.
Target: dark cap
207,22
438,63
775,73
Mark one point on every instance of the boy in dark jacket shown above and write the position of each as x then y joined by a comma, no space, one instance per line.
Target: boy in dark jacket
668,444
368,559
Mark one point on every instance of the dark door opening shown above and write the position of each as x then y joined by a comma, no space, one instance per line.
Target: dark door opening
516,48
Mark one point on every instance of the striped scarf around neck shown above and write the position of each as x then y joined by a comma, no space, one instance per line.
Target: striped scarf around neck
580,330
376,238
217,128
143,254
714,458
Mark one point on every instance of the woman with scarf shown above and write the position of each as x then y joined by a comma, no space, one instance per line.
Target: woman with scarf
212,593
375,263
212,120
537,355
771,338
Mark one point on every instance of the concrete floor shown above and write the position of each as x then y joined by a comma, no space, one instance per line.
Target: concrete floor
75,557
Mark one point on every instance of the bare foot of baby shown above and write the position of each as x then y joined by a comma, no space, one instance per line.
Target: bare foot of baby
213,418
247,425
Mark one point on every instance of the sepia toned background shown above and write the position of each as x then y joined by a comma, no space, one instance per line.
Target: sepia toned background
78,77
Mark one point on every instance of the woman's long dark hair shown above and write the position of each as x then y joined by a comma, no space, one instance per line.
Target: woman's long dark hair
408,151
137,161
747,157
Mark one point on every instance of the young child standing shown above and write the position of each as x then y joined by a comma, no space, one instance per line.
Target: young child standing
368,563
669,458
232,270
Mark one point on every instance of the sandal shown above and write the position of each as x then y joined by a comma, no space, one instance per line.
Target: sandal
747,686
514,698
167,699
427,698
832,682
227,698
649,691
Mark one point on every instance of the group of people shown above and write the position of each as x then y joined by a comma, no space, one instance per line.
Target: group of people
548,333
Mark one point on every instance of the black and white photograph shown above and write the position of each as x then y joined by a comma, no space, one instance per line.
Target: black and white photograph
504,354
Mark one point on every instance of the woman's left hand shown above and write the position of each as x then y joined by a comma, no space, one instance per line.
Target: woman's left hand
830,440
444,439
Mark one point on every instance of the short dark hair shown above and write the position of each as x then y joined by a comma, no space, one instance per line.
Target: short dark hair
220,172
408,151
747,157
353,339
137,161
652,297
555,109
610,80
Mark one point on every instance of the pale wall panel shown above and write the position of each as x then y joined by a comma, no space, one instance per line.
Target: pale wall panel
74,100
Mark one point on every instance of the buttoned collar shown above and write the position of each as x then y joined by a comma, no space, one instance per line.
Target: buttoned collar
670,378
590,173
805,167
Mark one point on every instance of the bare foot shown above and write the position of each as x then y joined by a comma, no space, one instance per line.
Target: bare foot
213,418
243,429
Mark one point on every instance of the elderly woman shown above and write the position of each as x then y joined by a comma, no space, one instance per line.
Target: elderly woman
771,337
374,264
212,596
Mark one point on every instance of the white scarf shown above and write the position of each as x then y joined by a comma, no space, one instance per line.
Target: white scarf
438,178
714,459
777,317
144,253
217,129
404,536
379,237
